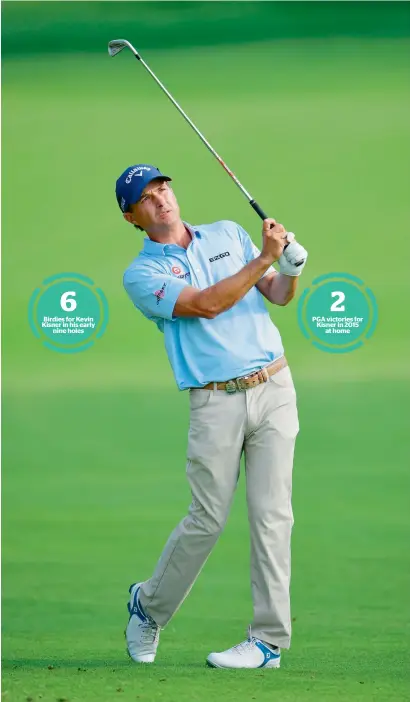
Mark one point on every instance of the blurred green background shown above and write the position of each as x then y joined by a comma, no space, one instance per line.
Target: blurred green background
309,104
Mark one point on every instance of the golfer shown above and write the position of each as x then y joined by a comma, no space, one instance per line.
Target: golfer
204,286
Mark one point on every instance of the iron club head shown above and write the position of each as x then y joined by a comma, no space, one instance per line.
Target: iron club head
117,45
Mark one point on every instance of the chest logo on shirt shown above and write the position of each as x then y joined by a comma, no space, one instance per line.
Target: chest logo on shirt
178,272
160,294
221,255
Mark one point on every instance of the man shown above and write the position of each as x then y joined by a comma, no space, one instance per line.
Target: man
203,287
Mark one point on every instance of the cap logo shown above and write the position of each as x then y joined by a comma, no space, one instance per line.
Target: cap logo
176,270
136,172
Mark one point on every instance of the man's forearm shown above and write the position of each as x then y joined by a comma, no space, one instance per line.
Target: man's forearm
282,289
225,294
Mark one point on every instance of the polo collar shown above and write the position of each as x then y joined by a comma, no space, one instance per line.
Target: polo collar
155,248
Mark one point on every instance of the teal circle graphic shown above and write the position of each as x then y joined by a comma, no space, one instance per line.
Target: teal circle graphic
338,313
68,312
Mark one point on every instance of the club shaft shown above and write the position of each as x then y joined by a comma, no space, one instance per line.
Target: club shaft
115,47
118,45
201,136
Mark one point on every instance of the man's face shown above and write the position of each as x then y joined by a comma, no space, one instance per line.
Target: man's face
156,209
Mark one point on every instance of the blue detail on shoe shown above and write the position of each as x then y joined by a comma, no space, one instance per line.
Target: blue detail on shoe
135,607
268,654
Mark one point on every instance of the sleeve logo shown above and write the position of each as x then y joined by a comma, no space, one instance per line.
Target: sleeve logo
160,294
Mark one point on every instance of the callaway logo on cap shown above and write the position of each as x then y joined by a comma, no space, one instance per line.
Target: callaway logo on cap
131,183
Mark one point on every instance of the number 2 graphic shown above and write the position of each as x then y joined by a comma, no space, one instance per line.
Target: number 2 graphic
337,305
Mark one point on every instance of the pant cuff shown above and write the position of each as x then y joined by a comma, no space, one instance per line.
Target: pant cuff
279,640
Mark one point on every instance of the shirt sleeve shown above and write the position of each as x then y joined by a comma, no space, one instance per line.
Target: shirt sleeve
152,291
250,250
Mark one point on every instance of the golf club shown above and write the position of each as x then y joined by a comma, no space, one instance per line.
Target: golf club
117,45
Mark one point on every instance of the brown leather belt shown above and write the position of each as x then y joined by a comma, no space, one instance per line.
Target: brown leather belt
249,381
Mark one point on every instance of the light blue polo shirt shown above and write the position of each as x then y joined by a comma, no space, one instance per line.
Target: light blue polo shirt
236,342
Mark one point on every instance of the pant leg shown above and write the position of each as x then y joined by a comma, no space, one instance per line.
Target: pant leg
269,449
215,443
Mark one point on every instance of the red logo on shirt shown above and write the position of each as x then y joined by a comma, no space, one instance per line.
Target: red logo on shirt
176,270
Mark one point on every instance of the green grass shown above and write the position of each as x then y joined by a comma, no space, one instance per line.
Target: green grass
317,130
94,443
97,485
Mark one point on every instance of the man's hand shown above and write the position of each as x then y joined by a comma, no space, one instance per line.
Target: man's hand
293,259
274,240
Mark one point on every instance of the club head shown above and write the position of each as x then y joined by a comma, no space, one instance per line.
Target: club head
117,45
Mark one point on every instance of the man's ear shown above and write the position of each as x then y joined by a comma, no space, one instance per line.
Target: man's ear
128,216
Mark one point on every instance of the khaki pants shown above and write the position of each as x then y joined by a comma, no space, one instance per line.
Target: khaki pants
263,423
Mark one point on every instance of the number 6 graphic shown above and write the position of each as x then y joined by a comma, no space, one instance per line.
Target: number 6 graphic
67,303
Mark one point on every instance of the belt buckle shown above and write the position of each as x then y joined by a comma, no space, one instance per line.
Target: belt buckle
240,382
230,387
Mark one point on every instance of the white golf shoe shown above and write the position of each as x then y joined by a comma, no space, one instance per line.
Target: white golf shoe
142,633
252,653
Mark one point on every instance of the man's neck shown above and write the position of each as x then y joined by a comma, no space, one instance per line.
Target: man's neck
177,234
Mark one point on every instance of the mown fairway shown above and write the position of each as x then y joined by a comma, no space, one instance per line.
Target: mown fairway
94,443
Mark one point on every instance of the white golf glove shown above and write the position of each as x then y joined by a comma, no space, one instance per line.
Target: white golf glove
292,255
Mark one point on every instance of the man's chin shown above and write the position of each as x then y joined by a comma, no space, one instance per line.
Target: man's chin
168,218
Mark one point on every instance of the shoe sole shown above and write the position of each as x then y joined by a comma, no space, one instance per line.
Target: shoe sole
222,667
212,665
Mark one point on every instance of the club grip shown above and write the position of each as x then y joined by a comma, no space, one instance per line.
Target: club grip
258,209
